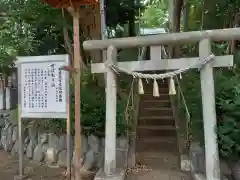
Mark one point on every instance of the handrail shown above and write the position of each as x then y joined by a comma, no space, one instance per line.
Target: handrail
183,99
179,90
188,117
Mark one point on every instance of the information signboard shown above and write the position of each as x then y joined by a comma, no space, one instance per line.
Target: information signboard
43,86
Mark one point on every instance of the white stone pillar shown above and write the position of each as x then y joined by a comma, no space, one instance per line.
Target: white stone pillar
111,113
8,93
8,98
209,114
1,98
156,53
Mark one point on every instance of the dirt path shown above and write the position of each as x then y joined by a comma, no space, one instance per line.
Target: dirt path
34,171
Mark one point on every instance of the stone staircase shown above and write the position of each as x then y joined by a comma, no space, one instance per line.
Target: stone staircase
156,143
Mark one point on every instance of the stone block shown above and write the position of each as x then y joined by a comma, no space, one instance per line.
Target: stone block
94,143
42,137
53,140
39,153
6,138
51,155
62,158
25,143
30,148
89,161
100,158
33,130
122,143
14,150
62,142
197,157
14,134
121,159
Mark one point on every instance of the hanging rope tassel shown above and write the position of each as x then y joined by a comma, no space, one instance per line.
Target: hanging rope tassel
140,87
172,90
155,89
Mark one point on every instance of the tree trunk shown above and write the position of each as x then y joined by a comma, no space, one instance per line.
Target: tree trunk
131,27
178,4
185,16
175,9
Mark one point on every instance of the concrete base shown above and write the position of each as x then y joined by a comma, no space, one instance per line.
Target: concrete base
199,176
118,175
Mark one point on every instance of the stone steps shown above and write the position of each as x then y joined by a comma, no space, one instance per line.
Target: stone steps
159,121
155,111
156,131
149,96
159,160
157,144
158,175
154,103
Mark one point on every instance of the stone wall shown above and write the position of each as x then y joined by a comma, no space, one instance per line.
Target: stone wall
50,148
197,158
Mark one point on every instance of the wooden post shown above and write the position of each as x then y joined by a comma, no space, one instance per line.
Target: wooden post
111,113
69,149
20,143
77,74
209,114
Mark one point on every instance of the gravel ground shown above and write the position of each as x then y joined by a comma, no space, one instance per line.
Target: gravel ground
33,170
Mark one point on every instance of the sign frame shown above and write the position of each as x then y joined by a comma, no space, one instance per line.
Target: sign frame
37,115
42,59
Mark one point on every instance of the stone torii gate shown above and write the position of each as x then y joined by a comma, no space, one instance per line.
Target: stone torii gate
206,74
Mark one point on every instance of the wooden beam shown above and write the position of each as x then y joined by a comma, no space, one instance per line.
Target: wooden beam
164,64
176,38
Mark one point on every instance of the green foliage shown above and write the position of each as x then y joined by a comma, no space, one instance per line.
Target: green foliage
228,138
32,28
155,14
228,111
93,107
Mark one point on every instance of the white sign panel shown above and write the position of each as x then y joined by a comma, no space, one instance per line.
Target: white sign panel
43,86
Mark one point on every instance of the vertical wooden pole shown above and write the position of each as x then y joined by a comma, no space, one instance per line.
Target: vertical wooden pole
77,58
20,131
69,150
111,113
20,143
209,114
